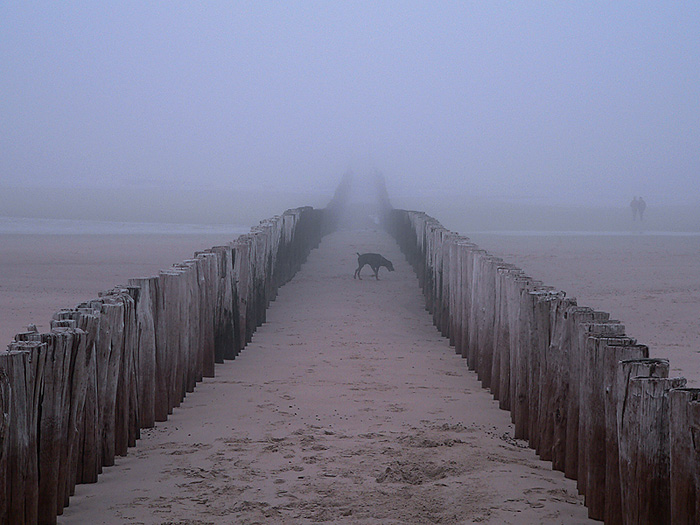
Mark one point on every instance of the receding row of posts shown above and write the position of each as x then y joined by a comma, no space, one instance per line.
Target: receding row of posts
582,393
73,399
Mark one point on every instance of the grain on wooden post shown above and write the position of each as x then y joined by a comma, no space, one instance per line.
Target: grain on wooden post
589,374
77,385
559,355
550,367
500,333
628,406
208,280
168,358
516,287
488,270
190,324
125,409
577,317
227,336
617,349
445,283
83,361
466,270
144,294
53,421
242,247
26,362
88,446
683,445
644,450
592,430
462,317
520,403
109,346
5,422
455,285
539,344
694,427
476,257
502,342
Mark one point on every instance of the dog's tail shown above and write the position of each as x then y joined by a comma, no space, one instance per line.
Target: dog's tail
358,253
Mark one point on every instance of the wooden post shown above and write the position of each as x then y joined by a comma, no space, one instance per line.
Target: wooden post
25,363
145,301
589,374
549,377
486,318
88,446
633,402
617,349
644,450
558,384
578,317
5,433
684,456
109,346
53,422
592,431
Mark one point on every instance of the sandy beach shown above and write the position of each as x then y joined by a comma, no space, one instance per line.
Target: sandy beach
340,410
347,407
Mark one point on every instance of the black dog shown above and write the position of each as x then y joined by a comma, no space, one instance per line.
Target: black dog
375,262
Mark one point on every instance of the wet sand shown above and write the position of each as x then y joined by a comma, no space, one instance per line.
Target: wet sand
347,407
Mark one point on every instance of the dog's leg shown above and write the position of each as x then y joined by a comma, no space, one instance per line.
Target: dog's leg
357,272
376,272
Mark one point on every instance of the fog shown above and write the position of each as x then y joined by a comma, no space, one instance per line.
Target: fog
228,112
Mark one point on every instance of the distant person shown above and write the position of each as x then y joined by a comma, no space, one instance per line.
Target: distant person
635,208
641,206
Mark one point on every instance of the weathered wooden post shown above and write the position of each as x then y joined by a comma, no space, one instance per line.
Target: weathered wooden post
25,363
578,317
592,431
589,386
502,342
144,293
461,315
550,369
5,422
229,340
616,349
684,456
208,284
474,260
109,346
54,410
559,368
500,333
487,270
643,433
127,427
88,451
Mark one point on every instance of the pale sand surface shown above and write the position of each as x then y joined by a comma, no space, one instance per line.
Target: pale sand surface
649,282
347,407
39,274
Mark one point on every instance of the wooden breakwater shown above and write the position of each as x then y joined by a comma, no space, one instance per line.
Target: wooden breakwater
76,397
582,393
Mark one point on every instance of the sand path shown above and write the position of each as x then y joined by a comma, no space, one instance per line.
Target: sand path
347,407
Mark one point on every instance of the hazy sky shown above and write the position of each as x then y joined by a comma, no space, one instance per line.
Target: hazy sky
547,100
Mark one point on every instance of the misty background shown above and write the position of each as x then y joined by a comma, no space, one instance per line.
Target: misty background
487,115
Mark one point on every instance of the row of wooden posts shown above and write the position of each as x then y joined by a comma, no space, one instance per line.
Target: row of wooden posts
76,397
582,393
